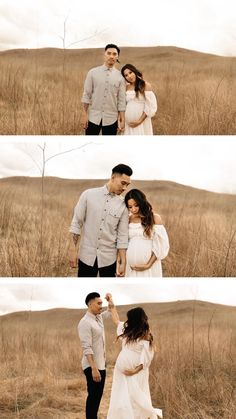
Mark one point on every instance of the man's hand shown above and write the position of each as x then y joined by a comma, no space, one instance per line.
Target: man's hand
120,270
84,121
73,258
108,297
121,125
96,375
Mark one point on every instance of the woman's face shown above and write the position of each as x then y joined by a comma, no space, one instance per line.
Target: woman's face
129,75
133,206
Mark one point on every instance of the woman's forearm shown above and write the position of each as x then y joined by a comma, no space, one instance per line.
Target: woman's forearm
152,259
114,314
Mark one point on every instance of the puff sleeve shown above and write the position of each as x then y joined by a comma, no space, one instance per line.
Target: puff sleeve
150,106
160,242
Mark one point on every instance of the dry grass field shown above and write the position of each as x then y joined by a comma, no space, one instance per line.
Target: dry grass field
34,227
40,90
192,376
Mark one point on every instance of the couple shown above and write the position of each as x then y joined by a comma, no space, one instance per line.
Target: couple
114,100
117,236
130,394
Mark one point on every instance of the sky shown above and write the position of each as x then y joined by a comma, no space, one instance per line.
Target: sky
37,294
202,25
205,162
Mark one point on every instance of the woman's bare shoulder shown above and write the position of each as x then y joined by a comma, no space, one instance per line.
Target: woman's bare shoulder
157,219
148,86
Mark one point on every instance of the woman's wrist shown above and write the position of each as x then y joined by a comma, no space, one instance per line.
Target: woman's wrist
138,368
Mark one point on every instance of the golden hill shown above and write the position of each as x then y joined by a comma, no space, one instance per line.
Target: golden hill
34,226
192,374
41,89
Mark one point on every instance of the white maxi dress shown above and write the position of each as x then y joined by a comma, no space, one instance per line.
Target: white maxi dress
135,106
130,395
140,249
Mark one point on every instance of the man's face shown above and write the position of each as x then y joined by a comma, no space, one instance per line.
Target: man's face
110,57
95,306
119,183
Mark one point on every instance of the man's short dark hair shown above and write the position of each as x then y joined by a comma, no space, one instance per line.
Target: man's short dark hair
122,169
91,296
112,46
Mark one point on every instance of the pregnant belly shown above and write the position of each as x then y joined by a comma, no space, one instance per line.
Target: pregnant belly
127,360
139,251
133,111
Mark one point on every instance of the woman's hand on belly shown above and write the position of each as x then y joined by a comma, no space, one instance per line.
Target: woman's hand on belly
134,371
141,267
134,124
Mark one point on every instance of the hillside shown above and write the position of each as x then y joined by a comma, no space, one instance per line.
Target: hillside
201,226
192,374
41,89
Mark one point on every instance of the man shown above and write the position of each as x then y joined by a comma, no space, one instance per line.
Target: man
104,96
102,218
92,338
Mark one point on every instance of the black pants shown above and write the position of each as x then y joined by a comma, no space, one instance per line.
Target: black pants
94,129
95,390
92,271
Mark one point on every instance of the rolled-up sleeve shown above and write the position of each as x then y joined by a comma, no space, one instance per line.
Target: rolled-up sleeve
85,335
121,103
79,215
122,231
88,88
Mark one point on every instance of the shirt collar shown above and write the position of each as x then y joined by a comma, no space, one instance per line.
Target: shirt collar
105,68
106,192
88,314
93,316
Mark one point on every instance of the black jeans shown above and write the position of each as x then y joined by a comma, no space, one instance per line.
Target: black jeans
92,271
94,129
95,391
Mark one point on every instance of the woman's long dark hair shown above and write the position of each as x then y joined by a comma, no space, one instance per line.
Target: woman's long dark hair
139,85
145,209
136,326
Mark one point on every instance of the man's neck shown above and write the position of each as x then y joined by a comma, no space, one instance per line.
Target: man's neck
90,312
109,187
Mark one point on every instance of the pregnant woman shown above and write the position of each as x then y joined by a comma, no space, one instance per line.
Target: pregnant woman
130,394
141,104
148,239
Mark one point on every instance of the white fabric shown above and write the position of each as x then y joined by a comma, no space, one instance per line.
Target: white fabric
140,249
130,395
135,106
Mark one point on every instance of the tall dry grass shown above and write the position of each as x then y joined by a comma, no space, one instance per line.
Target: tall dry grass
40,90
192,375
201,227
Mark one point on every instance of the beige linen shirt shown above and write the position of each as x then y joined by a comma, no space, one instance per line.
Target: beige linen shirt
92,338
104,91
101,218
